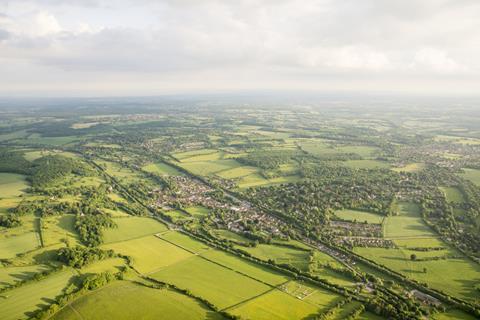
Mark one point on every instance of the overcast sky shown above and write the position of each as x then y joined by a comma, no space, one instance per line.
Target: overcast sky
147,47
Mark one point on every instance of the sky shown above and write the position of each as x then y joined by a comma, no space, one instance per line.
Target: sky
147,47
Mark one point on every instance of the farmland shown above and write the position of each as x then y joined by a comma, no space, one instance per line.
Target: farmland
244,213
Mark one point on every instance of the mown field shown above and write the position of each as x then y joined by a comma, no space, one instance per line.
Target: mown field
127,300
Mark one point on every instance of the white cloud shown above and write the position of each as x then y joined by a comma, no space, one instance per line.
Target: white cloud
281,43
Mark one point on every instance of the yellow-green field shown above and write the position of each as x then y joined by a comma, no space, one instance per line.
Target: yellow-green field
12,185
359,216
132,227
162,168
472,175
127,300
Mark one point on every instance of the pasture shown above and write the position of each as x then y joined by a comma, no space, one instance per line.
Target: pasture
17,303
10,275
162,169
359,216
13,245
251,269
12,185
410,167
275,305
365,164
201,277
184,241
150,253
57,228
471,174
109,303
198,211
280,254
408,223
453,194
132,227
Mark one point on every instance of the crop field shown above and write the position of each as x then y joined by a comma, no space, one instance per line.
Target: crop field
109,303
184,241
472,174
280,254
17,303
12,185
201,277
150,253
275,305
359,216
162,169
132,227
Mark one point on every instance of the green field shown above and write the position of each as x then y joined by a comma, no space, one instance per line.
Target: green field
280,254
198,211
126,300
455,276
251,269
206,168
162,168
184,241
10,275
407,223
472,175
17,303
365,164
411,167
12,185
275,305
11,246
57,228
359,216
150,253
202,278
229,235
132,227
453,194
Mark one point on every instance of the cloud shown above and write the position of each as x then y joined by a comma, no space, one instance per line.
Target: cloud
303,42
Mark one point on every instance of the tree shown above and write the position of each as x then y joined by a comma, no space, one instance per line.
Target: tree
413,257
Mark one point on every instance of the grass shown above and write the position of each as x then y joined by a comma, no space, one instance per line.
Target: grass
113,265
256,180
407,223
237,172
280,254
10,275
17,302
455,276
251,269
219,285
275,305
36,139
359,216
310,294
198,211
189,154
206,168
57,228
363,151
150,253
12,185
132,227
126,300
184,241
411,167
229,235
162,169
11,246
453,194
453,314
177,215
118,171
365,164
471,174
